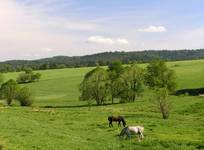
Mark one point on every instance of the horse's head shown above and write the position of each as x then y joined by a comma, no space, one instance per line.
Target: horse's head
124,123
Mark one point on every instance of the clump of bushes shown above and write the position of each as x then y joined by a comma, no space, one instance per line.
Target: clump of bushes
28,76
25,97
10,91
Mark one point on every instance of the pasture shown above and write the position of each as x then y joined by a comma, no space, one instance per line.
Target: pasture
58,120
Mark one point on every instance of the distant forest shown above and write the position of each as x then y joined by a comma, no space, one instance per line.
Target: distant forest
100,59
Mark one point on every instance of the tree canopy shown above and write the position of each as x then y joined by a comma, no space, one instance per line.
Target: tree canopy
158,75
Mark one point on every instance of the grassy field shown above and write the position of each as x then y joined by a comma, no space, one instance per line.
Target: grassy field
58,121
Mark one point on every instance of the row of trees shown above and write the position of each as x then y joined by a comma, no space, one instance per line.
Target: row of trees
127,83
101,59
4,68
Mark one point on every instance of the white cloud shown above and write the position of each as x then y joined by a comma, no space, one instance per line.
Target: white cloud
153,29
47,49
122,41
107,40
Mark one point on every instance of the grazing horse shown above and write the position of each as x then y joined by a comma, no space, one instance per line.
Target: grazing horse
116,119
138,130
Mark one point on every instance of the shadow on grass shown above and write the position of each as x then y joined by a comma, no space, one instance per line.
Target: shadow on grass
80,106
191,92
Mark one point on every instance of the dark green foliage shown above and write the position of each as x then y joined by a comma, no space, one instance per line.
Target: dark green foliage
25,97
9,90
158,75
95,86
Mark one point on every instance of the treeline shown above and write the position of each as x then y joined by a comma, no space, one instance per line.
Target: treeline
101,59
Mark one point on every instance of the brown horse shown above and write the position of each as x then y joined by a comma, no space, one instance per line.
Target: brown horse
116,119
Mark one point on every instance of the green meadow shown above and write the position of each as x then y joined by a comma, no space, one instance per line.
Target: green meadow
59,121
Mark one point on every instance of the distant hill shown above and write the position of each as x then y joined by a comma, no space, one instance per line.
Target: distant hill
101,59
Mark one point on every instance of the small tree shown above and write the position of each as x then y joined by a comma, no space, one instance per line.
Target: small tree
95,86
25,97
158,75
162,103
9,90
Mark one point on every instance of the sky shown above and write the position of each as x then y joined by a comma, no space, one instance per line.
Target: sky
32,29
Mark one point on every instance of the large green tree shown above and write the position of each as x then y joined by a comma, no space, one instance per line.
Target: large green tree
95,86
131,83
158,75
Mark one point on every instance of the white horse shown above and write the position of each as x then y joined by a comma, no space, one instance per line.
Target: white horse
138,130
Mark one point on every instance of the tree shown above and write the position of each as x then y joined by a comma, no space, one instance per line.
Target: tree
114,70
95,86
9,90
131,83
158,75
115,66
162,103
25,97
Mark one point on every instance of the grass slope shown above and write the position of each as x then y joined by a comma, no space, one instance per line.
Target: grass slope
69,125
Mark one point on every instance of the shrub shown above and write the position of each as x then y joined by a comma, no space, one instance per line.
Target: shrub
35,77
24,78
9,90
25,97
28,77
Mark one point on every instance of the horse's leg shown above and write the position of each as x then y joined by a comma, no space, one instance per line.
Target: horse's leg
119,125
110,124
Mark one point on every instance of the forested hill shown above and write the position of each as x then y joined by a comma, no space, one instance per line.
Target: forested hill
101,59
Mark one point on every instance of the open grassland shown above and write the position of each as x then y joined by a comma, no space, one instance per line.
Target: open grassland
59,121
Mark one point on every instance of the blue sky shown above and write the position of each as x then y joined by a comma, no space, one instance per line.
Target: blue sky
32,29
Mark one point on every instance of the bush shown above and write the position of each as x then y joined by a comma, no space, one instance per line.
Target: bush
24,78
35,77
9,91
25,97
28,77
